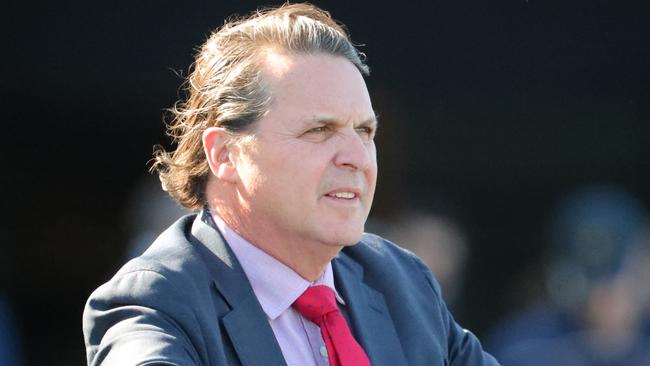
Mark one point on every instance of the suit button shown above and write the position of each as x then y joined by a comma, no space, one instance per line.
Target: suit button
323,351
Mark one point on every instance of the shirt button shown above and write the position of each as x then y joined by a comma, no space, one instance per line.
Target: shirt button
323,351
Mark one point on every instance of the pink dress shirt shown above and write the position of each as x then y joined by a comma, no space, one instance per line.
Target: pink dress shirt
277,287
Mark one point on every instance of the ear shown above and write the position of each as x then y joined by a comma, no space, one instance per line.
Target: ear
218,154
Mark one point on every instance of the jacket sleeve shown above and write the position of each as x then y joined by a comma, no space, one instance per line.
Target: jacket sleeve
138,318
463,347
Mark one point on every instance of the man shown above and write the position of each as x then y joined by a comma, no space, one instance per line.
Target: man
275,148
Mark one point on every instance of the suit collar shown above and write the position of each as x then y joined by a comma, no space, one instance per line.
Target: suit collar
246,323
248,327
369,317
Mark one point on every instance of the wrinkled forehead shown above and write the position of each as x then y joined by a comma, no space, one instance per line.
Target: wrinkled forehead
312,85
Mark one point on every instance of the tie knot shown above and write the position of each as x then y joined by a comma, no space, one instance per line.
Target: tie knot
315,302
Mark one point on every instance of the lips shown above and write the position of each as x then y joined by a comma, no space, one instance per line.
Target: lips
344,193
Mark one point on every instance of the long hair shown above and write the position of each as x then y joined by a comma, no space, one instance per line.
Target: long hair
226,88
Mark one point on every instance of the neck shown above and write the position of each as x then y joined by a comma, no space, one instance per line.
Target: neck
307,259
309,265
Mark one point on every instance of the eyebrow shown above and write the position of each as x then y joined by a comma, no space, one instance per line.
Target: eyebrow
374,121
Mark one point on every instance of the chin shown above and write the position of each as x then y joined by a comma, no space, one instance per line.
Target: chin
347,238
340,231
352,243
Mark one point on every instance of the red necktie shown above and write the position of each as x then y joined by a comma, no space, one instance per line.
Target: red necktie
318,304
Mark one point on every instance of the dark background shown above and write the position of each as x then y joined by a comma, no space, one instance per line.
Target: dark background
490,111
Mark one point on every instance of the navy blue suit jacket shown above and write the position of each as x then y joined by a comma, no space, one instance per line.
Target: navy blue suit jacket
187,301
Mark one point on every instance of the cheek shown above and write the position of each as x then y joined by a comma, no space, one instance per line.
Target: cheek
301,172
252,178
373,169
308,165
372,180
372,151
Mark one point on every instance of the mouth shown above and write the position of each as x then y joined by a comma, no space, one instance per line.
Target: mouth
344,194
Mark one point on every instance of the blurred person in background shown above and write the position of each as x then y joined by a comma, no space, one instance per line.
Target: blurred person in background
439,241
10,345
149,211
597,288
11,353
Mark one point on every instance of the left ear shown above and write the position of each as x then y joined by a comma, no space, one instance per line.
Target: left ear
218,154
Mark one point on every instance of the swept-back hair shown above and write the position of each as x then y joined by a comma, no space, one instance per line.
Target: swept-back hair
225,87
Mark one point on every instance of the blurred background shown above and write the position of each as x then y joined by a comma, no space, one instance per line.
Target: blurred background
514,155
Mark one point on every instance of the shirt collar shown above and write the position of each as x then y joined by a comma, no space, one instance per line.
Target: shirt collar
276,285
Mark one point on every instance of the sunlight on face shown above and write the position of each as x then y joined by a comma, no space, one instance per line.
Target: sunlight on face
311,169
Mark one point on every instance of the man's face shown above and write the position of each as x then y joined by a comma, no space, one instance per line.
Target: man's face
309,173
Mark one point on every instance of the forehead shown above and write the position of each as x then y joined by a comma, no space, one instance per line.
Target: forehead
306,86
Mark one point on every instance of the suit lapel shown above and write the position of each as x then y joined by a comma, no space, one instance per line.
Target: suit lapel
246,324
371,321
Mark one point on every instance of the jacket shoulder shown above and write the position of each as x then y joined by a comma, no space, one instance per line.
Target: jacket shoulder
388,262
171,263
163,295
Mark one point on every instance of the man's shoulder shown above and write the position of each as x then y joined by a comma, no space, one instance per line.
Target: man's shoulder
172,263
171,252
380,259
166,288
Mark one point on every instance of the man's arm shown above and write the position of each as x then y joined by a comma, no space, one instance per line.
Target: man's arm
464,349
139,318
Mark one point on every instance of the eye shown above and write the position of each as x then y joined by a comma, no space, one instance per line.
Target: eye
319,129
367,132
318,133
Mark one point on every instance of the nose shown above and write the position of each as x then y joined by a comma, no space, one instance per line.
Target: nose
353,153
